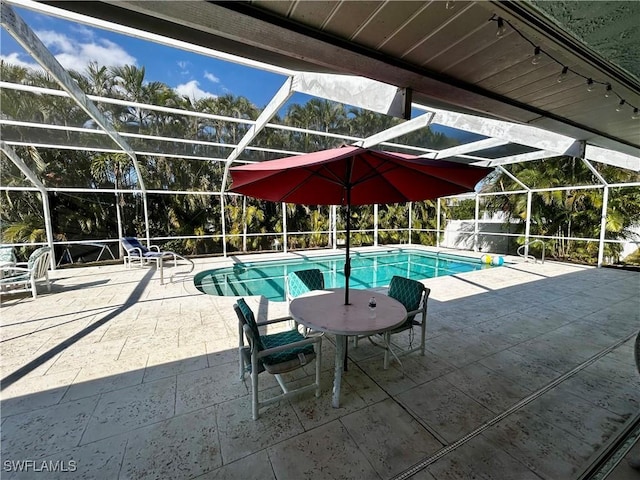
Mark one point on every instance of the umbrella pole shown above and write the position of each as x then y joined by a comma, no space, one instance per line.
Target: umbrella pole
347,267
347,274
347,263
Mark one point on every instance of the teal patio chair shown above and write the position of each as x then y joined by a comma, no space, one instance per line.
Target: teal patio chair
301,282
413,295
304,281
276,353
23,277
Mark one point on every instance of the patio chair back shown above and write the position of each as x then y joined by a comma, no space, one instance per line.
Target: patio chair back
7,254
409,293
413,295
130,244
304,281
38,263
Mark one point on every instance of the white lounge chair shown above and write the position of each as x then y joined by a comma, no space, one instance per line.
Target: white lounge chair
22,277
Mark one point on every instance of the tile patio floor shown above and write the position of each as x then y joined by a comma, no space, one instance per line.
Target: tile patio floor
529,374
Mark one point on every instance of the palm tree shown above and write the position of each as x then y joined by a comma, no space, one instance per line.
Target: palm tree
392,218
569,213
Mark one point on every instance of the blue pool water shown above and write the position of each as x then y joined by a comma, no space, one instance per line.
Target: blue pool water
368,270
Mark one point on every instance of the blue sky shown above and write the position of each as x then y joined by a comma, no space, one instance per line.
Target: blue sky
75,45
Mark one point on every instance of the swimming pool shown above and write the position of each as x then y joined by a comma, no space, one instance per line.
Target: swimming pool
368,270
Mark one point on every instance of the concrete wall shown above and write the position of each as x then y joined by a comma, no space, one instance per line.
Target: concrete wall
459,234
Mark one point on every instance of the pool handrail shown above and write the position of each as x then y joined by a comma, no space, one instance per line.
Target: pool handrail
528,257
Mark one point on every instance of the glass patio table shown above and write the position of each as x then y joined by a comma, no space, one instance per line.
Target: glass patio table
325,311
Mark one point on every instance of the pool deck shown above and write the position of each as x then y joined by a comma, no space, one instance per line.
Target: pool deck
529,374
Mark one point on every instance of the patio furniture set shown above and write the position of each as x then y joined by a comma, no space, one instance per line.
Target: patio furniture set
315,311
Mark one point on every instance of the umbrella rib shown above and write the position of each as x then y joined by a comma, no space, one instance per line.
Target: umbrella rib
377,172
332,179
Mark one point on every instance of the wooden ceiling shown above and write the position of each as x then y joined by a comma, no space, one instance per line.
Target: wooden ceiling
448,53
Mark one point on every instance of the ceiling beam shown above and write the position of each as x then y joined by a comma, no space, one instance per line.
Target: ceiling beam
611,157
468,148
396,131
276,103
356,91
523,157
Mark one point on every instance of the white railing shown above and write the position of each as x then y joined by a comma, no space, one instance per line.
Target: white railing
523,251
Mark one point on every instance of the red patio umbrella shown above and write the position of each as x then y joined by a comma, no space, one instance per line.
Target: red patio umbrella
354,176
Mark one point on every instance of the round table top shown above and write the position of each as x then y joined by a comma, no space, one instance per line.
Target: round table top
325,311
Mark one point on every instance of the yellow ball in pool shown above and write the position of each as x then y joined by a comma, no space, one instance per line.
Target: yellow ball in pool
486,259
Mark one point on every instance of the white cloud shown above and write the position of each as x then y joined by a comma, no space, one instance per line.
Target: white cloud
211,77
83,31
193,91
14,59
55,41
73,54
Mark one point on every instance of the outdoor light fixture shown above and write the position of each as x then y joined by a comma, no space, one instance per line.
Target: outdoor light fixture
501,28
536,56
563,75
538,51
590,85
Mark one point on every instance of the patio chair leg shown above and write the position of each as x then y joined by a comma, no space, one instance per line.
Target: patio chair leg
318,365
283,385
241,361
254,388
34,290
46,277
387,342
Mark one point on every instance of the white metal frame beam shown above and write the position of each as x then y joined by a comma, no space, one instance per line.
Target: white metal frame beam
396,131
532,137
65,128
278,100
23,34
356,91
468,148
520,158
611,157
33,178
